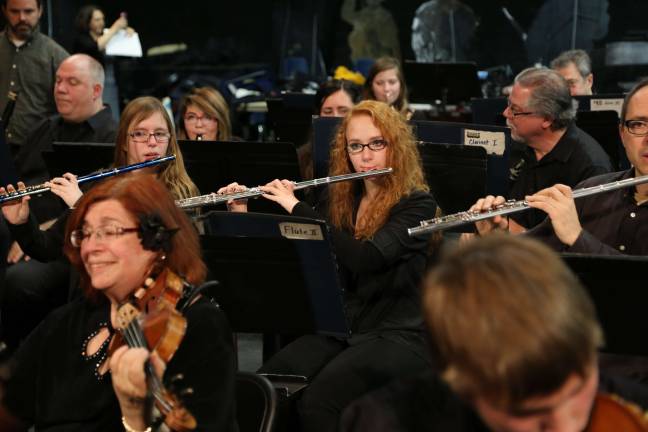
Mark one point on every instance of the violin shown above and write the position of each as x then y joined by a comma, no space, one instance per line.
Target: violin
152,321
611,413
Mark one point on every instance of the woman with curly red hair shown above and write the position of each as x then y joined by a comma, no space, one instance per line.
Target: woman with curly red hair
380,266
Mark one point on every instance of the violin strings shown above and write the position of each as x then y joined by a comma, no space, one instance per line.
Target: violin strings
135,339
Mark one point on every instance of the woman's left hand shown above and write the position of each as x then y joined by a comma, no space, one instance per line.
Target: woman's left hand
129,382
281,192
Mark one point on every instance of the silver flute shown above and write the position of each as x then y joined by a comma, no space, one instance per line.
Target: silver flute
39,189
215,198
511,206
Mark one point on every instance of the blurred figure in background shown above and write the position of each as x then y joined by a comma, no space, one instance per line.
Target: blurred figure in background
335,98
204,115
386,83
92,38
576,67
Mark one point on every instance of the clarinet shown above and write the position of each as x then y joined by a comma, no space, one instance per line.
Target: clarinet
511,206
39,189
9,108
215,198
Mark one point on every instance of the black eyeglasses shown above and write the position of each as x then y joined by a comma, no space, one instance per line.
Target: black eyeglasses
636,127
142,136
518,113
375,145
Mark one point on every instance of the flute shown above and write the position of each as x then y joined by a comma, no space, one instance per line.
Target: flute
214,198
38,189
511,206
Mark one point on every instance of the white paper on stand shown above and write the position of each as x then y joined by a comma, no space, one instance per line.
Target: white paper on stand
124,44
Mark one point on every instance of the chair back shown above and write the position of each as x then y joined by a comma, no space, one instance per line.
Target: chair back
256,403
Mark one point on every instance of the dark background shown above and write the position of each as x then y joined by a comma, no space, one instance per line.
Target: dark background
258,31
227,39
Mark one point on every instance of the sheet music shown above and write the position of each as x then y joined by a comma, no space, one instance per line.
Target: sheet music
124,44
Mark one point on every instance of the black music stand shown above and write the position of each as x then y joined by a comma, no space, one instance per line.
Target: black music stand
214,164
456,175
290,116
470,134
603,126
277,273
617,285
324,129
449,83
489,111
79,158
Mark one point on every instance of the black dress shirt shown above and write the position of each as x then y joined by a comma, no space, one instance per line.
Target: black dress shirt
381,276
576,157
613,222
100,128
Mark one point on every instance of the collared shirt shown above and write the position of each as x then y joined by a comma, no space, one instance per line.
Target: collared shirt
613,222
576,157
100,128
29,71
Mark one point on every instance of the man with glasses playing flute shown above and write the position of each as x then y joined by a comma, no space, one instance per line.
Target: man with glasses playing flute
541,114
608,223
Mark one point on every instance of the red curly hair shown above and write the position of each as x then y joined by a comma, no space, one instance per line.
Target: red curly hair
402,156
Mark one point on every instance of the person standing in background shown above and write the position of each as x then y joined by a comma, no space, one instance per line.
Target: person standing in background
28,63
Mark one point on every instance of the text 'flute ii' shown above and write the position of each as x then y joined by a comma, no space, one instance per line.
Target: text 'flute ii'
214,198
466,217
39,189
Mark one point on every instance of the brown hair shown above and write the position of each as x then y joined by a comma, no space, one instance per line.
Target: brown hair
508,320
174,175
624,108
212,103
382,64
141,195
402,156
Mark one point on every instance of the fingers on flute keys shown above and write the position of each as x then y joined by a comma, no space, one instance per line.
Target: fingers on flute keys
15,211
281,192
489,202
234,205
66,187
558,202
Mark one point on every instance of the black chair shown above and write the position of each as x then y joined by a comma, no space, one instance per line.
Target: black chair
256,403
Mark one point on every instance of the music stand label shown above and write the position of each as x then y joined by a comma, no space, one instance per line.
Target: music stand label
300,231
493,142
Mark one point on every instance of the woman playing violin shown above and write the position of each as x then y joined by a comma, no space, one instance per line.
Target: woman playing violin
122,231
145,132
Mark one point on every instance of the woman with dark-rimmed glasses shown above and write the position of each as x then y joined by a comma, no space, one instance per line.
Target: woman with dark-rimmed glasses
380,265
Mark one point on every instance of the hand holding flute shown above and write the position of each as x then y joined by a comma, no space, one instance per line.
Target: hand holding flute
557,201
66,187
279,191
234,205
16,212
